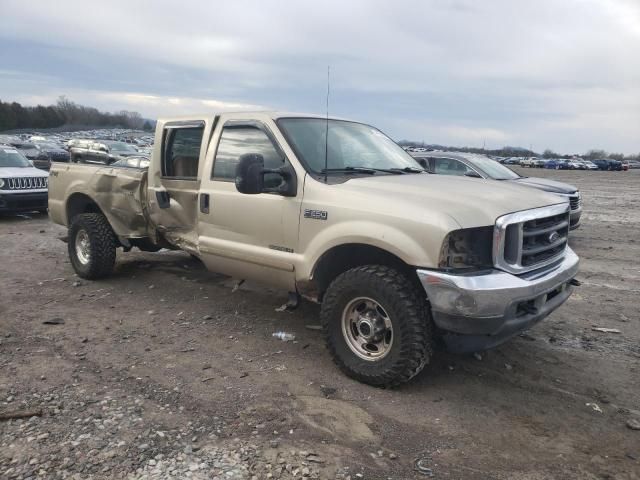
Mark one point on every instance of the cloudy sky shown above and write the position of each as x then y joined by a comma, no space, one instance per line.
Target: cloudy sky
552,74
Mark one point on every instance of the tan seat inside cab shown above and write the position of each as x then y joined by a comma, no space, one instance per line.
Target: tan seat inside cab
184,166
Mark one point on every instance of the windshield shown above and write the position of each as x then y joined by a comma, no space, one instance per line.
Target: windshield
494,169
350,145
10,157
121,147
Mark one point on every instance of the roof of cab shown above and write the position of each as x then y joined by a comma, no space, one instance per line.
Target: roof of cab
253,114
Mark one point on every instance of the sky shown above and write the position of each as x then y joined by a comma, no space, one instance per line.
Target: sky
563,75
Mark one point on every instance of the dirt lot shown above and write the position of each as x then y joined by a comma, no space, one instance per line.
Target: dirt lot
167,371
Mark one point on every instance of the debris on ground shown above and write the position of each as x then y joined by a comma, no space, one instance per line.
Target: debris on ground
477,356
633,424
237,285
313,327
606,330
595,407
54,321
422,465
284,336
328,391
20,414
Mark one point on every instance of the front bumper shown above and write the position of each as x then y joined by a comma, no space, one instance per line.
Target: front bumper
482,310
23,202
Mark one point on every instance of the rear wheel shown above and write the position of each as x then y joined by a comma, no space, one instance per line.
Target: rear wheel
377,325
92,246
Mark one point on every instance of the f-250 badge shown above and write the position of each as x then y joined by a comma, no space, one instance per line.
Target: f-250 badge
315,214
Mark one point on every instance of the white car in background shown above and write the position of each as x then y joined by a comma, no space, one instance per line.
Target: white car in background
23,187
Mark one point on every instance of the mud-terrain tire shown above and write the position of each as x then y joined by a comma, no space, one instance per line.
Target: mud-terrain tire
401,305
92,246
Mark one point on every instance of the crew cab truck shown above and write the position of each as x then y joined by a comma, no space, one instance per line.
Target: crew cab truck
336,212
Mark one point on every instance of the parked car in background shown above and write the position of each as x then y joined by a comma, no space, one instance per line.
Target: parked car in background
511,161
575,165
590,165
601,164
23,187
480,166
557,164
102,152
29,150
526,162
50,152
633,164
538,163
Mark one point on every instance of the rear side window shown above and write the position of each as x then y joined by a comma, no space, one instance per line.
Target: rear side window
182,152
235,142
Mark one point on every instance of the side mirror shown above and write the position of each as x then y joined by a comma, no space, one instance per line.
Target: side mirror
250,173
472,174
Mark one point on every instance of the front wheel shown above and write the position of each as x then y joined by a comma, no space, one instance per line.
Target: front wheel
377,325
92,246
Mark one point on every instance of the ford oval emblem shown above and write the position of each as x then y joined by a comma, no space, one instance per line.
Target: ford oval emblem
553,237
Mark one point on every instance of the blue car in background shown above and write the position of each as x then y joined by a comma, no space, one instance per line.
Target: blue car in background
557,164
604,164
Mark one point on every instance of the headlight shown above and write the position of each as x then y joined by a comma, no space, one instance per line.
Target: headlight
1,183
467,248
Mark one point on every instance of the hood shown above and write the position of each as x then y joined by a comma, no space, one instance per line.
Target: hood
124,154
18,172
546,185
470,202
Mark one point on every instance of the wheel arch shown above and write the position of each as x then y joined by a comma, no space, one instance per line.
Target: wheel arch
341,258
79,203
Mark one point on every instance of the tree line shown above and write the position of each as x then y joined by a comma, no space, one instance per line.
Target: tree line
14,116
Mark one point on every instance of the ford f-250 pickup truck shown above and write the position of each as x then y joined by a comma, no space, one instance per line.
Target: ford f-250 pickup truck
336,212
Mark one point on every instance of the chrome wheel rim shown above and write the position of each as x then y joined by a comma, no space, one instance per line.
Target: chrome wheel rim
367,329
83,247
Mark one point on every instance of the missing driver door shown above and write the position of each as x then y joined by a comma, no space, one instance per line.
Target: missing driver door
175,181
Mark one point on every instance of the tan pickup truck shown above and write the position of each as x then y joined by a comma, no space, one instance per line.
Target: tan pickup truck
336,212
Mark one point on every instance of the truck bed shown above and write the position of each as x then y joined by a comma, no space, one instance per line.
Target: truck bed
118,192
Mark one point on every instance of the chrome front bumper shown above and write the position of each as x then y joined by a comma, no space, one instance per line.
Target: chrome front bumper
481,310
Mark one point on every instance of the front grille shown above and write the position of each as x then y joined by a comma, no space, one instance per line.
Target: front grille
531,239
544,238
574,201
26,183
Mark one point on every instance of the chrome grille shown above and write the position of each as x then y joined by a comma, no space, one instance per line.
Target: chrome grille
532,239
26,183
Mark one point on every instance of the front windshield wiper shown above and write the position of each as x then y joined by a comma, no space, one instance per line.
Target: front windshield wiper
410,170
367,170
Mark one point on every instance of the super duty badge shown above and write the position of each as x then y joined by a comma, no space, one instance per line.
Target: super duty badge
315,214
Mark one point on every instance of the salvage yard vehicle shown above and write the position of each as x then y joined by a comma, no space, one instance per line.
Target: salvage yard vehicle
50,152
557,164
23,188
101,151
336,212
480,166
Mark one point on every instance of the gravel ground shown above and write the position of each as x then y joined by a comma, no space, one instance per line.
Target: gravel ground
166,370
